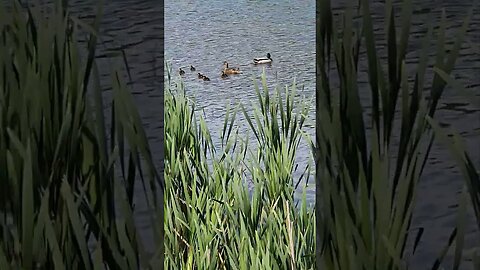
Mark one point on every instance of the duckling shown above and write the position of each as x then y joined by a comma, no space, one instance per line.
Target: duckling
192,68
263,60
205,78
229,70
224,75
200,75
181,71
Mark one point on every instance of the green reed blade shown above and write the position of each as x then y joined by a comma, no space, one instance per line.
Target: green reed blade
436,265
472,98
50,236
461,226
372,62
75,223
3,259
27,210
437,84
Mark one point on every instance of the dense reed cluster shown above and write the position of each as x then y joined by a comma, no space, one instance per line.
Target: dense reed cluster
212,219
67,182
367,177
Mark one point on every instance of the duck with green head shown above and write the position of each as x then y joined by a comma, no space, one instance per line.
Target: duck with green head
263,60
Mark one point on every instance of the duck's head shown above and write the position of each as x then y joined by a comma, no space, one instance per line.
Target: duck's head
268,55
225,64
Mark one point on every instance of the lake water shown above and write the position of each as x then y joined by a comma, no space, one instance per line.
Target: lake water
206,33
441,182
134,26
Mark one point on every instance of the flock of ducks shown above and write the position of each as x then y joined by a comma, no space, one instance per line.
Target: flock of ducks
227,70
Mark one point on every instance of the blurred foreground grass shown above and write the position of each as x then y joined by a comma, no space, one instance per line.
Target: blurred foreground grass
67,184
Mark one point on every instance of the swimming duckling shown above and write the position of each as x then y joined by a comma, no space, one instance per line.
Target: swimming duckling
224,75
181,71
263,60
200,75
205,78
192,68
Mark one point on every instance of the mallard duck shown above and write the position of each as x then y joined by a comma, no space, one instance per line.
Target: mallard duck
205,78
263,60
232,71
192,68
200,75
229,70
224,75
181,71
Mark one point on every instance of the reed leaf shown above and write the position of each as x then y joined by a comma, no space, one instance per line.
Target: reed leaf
365,197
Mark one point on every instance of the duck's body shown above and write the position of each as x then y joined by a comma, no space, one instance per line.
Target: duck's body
263,60
181,71
200,75
192,68
224,75
229,70
205,78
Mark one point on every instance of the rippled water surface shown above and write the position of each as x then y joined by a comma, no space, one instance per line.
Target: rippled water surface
134,26
205,33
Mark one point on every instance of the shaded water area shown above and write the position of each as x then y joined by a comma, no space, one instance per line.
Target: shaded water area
442,182
134,27
206,33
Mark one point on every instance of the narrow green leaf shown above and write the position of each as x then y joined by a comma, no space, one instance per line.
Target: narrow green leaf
27,210
76,223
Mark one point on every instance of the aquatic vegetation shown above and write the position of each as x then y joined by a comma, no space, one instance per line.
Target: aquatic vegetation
470,172
458,149
67,184
366,187
212,219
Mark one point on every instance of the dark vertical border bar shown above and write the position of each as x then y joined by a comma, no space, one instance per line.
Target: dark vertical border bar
162,130
318,51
